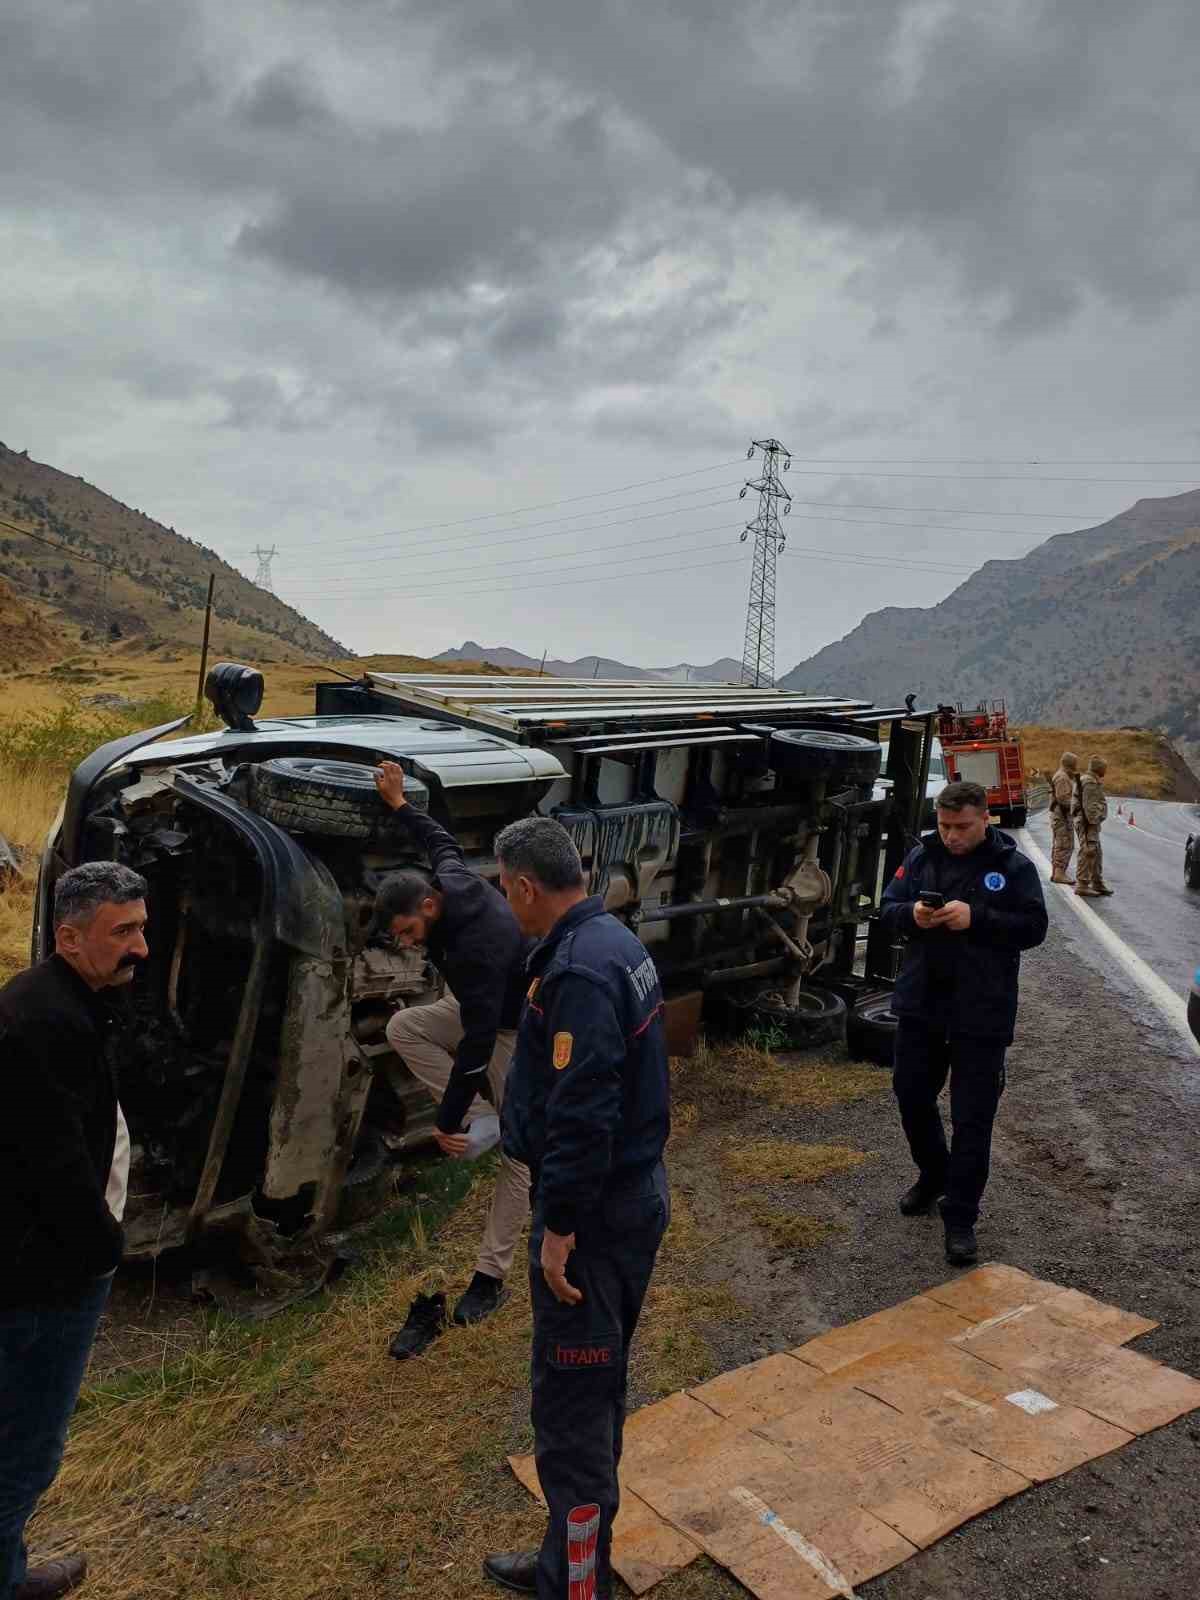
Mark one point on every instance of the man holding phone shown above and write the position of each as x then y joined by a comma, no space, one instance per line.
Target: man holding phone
966,902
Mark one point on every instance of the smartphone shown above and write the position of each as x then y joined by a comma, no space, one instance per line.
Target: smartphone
932,899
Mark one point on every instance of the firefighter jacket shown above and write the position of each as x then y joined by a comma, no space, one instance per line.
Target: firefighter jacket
587,1101
966,982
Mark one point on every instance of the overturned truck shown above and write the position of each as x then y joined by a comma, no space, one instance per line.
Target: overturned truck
744,833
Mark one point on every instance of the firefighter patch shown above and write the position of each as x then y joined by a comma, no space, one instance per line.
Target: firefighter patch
564,1043
900,872
995,881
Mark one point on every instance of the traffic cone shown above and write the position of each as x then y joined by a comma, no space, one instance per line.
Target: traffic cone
1132,823
1120,812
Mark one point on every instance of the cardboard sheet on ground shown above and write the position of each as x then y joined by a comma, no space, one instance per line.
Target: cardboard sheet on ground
807,1472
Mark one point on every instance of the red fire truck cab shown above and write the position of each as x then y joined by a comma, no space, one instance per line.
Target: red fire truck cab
979,748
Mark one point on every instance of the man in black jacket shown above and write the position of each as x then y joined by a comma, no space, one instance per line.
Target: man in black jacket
64,1167
460,1047
956,998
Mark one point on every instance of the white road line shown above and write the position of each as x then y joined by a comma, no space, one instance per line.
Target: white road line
1172,1006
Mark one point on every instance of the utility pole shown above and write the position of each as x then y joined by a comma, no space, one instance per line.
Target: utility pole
262,578
758,652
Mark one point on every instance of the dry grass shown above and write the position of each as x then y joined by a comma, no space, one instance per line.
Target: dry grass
1135,757
789,1230
780,1161
733,1081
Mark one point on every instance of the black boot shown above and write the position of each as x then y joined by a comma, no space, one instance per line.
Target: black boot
426,1319
517,1569
484,1295
919,1200
962,1248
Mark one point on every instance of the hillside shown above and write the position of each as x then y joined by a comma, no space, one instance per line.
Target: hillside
26,636
1140,763
149,589
1099,627
726,670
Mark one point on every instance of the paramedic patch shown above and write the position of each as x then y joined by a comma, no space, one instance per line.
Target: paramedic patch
563,1045
995,881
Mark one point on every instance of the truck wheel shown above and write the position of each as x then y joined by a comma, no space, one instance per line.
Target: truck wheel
871,1031
819,753
818,1017
1191,862
306,794
1014,817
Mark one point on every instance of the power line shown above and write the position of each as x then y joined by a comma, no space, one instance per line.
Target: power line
1018,477
988,461
53,544
546,505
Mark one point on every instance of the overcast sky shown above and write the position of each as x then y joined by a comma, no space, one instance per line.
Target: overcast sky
390,285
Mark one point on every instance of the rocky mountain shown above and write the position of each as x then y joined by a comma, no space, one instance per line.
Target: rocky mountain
1099,627
726,670
110,573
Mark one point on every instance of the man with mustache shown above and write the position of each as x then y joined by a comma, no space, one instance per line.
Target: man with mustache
64,1171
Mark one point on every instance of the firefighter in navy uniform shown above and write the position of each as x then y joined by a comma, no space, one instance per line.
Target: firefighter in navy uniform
587,1110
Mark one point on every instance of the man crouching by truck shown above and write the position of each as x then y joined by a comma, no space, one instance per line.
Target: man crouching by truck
64,1172
966,902
461,1046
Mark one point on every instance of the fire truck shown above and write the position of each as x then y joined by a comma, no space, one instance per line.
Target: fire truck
979,748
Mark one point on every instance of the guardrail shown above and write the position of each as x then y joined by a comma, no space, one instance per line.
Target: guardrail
1037,796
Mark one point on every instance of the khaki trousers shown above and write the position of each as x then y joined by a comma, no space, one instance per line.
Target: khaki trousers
1063,842
1090,870
425,1038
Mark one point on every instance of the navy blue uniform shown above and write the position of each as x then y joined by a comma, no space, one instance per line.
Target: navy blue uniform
956,998
587,1109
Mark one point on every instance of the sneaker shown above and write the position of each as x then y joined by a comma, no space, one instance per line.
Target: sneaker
484,1295
962,1248
1102,888
1087,891
426,1319
1061,877
918,1201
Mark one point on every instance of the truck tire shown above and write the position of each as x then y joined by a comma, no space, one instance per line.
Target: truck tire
825,753
1014,816
307,794
1191,862
818,1017
871,1031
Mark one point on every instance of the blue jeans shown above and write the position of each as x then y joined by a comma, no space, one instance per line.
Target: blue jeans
44,1352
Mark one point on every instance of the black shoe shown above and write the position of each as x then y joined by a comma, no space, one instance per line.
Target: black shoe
52,1579
426,1319
962,1248
484,1295
919,1200
517,1569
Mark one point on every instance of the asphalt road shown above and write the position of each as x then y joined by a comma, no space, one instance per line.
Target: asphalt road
1151,910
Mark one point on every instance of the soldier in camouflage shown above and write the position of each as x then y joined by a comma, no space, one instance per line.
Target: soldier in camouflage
1062,793
1090,808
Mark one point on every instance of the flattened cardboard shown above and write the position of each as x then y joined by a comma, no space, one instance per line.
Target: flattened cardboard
920,1319
990,1290
1080,1368
892,1465
759,1393
998,1290
777,1531
984,1409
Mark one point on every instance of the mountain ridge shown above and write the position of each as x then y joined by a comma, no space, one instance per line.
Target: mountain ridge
724,670
1099,626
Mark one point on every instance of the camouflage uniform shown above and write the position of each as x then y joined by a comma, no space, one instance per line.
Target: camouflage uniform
1090,809
1062,794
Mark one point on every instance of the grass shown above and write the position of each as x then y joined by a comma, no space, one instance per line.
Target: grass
781,1161
731,1082
1134,755
788,1229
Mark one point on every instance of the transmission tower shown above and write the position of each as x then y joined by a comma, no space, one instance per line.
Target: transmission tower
758,652
262,578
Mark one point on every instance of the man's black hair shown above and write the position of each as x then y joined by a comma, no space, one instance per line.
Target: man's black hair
400,895
958,796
